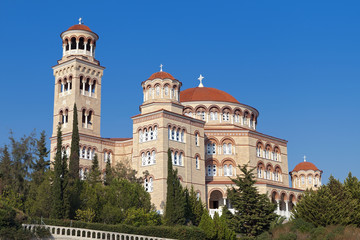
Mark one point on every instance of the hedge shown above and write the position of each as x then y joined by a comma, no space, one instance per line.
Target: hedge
175,232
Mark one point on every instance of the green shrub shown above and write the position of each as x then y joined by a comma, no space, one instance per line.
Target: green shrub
301,225
288,236
264,236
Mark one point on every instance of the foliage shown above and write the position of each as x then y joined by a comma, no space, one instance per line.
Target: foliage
41,164
194,207
175,208
123,170
332,204
208,226
109,176
75,148
86,215
59,181
254,211
95,174
5,173
140,217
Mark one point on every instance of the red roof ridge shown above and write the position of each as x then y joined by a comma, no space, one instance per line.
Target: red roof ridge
161,75
206,94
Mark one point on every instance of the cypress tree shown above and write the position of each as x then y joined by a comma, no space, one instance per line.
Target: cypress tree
254,211
58,181
109,176
5,170
175,209
208,226
75,148
95,174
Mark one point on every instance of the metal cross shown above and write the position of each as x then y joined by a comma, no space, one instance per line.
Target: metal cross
80,20
200,79
304,158
161,67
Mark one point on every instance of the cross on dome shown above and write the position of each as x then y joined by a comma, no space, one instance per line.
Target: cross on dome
161,67
80,21
304,158
200,79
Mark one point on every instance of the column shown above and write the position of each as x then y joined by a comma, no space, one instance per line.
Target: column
85,44
90,89
287,214
77,46
64,49
68,85
91,49
277,207
86,120
83,82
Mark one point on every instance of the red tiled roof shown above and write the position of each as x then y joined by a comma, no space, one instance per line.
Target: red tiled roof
79,27
305,166
161,75
206,94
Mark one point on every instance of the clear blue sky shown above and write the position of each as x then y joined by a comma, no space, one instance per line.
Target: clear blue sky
297,62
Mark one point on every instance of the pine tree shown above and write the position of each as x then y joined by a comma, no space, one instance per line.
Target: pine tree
254,211
175,209
194,207
109,176
75,148
41,164
95,174
58,181
5,170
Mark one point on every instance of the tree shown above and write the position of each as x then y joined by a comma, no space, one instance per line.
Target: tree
58,181
75,148
254,211
41,164
194,207
175,208
332,204
95,174
208,226
5,170
109,176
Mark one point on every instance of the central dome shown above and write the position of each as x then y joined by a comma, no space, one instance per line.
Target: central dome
206,94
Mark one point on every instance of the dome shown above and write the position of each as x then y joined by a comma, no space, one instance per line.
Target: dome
161,75
79,27
305,166
206,94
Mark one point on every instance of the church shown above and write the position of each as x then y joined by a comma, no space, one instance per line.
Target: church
208,131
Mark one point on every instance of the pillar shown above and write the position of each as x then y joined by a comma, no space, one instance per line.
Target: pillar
91,49
77,46
64,49
90,89
277,207
83,82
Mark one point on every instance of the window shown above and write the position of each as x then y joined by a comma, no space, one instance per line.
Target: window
310,179
180,159
201,114
89,154
173,134
228,171
197,139
146,135
157,90
197,164
83,153
302,179
259,172
182,136
197,196
237,116
226,116
140,136
155,132
211,148
178,135
151,134
258,151
213,116
211,169
227,148
177,158
148,184
166,90
148,158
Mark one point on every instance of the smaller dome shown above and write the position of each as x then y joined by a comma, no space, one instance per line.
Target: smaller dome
161,75
80,27
305,166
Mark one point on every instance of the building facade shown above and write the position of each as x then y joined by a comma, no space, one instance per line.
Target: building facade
208,132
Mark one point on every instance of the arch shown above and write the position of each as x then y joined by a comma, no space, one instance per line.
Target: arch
216,197
226,107
201,106
274,196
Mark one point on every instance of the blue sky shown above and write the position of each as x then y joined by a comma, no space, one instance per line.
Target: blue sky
296,62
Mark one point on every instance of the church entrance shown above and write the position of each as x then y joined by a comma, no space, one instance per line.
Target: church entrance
216,199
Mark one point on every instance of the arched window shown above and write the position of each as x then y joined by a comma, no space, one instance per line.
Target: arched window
109,157
228,171
73,43
157,90
81,43
259,171
197,163
211,169
89,154
83,153
180,159
258,150
81,173
226,115
197,196
237,116
166,90
182,136
245,117
148,184
140,136
310,179
302,179
146,135
227,148
155,132
197,139
211,148
176,162
173,132
105,156
151,134
178,135
153,157
143,159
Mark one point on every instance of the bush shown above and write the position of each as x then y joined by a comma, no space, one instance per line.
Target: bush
301,225
176,232
288,236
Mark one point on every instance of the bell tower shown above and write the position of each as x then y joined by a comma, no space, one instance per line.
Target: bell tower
78,80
